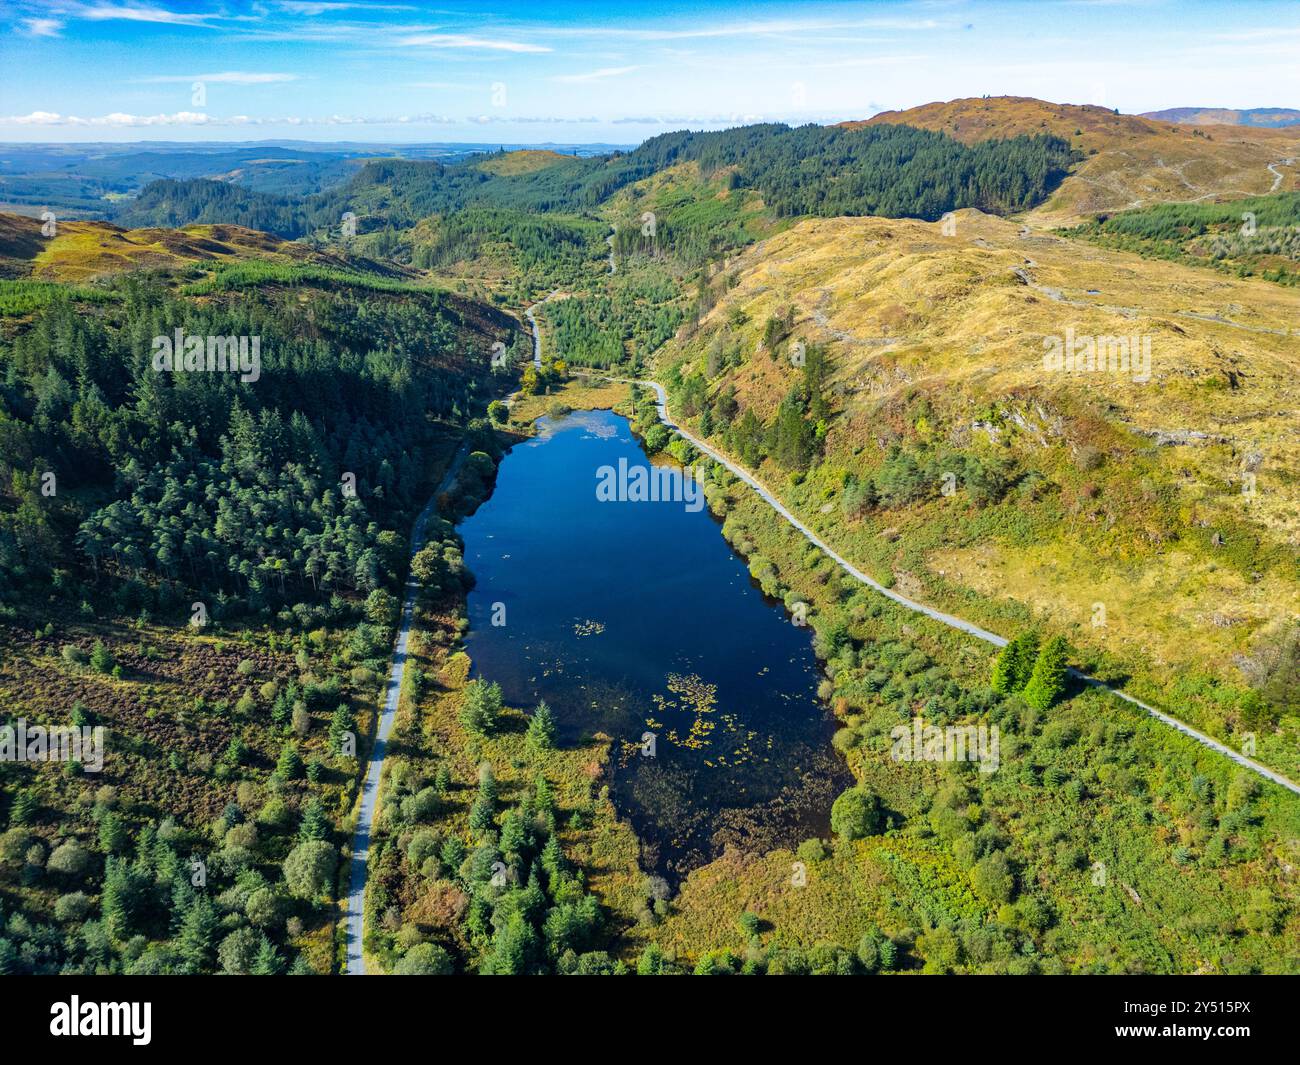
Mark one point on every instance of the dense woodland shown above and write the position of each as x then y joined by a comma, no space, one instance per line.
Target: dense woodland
177,482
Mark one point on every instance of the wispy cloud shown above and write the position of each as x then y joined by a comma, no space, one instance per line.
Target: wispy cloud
230,77
753,28
137,13
594,75
312,8
461,40
42,27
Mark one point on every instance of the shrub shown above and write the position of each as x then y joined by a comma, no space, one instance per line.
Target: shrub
856,813
72,907
70,859
424,959
309,869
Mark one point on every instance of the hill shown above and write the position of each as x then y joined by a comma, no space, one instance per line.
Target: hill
1127,160
87,251
1269,117
890,170
1165,500
522,161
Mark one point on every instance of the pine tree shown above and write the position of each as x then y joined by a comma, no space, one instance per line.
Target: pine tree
24,808
481,815
553,860
315,825
267,961
1048,679
1014,664
543,797
541,728
480,706
289,767
100,658
198,932
888,953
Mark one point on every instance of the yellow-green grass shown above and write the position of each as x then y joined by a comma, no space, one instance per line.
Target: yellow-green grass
936,345
1186,917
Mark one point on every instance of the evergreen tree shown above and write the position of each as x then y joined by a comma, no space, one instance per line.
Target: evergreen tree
289,766
198,935
101,659
1047,682
1015,662
541,728
267,961
480,707
24,807
315,825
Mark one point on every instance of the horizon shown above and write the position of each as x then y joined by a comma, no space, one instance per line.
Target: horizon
92,72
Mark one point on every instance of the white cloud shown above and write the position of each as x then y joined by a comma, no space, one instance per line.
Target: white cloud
134,13
231,77
594,75
42,27
311,7
461,40
756,28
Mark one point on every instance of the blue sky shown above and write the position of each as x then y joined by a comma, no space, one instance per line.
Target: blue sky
122,70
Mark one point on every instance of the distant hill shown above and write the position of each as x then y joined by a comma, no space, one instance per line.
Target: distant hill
82,250
974,119
890,170
1128,160
523,161
1262,117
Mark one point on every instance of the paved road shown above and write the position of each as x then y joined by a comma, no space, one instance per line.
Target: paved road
531,315
661,406
356,965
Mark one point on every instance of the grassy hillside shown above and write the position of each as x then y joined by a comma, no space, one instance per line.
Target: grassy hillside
923,436
83,251
1129,161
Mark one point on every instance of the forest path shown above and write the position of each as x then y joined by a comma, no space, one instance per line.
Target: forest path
356,964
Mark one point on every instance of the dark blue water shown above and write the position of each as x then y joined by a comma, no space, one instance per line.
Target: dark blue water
636,617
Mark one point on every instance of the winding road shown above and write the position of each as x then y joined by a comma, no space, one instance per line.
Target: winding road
356,964
370,786
661,407
1277,174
